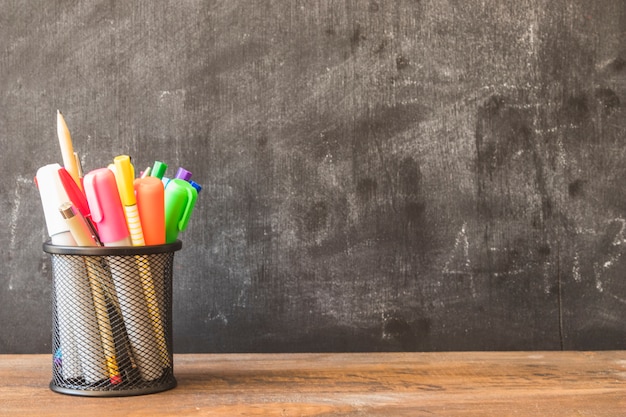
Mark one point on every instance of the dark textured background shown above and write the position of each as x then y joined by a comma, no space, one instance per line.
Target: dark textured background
378,175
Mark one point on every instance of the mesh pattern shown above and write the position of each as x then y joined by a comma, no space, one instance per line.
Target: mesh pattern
112,324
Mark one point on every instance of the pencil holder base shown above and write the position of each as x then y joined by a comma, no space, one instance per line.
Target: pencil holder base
113,391
112,320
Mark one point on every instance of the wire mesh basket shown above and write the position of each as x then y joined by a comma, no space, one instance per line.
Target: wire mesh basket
112,319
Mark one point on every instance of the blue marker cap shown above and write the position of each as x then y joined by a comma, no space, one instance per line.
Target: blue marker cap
195,185
183,174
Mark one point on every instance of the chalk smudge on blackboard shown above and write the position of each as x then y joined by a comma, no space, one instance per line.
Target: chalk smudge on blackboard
407,334
576,267
614,253
459,263
20,183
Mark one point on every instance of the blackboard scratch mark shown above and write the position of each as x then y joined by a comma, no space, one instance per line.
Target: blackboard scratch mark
15,212
356,37
366,188
381,47
597,275
402,62
243,294
576,268
414,211
560,300
576,188
621,300
374,128
316,217
396,328
614,254
163,95
461,250
219,316
617,65
577,108
608,98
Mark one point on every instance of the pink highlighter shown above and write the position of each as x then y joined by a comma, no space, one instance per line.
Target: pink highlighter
106,207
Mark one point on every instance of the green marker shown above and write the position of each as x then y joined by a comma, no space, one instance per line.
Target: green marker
158,169
180,198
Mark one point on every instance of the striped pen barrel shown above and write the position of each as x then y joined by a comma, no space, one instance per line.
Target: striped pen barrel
134,225
124,176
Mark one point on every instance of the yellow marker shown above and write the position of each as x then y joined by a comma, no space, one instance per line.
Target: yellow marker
67,150
124,176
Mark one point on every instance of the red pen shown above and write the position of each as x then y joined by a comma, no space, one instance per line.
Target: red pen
77,198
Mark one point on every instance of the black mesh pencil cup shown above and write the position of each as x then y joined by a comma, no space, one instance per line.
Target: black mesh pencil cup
112,319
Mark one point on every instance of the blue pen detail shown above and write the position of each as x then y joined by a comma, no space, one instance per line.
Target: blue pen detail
57,359
195,185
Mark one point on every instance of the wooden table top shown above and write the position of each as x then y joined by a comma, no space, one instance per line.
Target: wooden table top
465,384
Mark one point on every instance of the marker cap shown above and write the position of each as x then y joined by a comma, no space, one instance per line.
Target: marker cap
151,207
180,199
158,169
106,206
195,185
52,196
183,174
124,175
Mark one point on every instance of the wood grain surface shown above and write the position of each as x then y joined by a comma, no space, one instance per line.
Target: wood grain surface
378,175
499,384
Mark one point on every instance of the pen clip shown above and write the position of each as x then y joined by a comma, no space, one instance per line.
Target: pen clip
93,231
96,209
79,165
192,196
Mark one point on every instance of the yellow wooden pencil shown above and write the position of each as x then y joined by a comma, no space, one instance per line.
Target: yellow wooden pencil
67,150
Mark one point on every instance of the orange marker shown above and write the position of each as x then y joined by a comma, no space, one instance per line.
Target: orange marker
149,192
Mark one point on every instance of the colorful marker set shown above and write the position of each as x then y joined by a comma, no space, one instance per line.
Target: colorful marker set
108,308
121,210
117,209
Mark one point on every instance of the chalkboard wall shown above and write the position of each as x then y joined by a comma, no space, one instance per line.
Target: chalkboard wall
378,175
